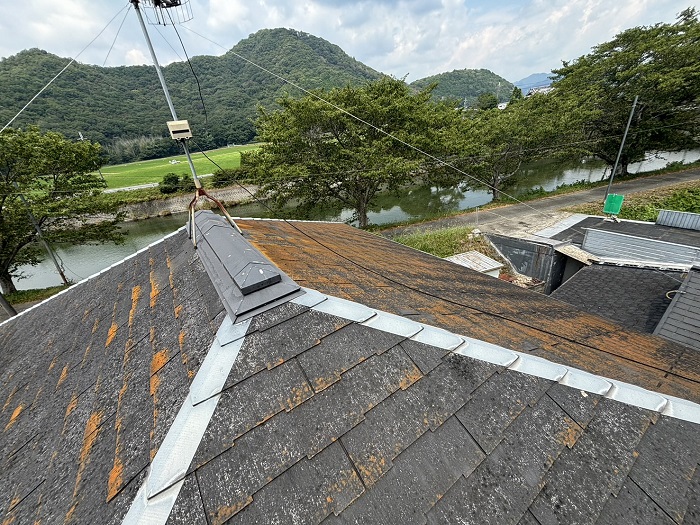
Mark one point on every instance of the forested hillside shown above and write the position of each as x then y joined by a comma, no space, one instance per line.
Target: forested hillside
111,105
466,85
123,108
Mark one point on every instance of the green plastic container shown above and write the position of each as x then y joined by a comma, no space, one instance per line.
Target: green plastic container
613,204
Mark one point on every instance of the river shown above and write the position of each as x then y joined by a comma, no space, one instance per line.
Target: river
419,202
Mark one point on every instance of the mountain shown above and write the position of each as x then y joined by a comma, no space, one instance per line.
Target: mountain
466,85
533,81
106,104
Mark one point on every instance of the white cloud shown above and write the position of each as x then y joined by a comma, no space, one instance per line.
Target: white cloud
420,37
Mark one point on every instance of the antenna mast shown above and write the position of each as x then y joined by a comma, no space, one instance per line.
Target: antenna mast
179,129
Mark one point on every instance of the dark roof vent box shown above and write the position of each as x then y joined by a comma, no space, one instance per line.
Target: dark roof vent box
246,281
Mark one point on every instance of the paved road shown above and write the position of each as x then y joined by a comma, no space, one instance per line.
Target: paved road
532,216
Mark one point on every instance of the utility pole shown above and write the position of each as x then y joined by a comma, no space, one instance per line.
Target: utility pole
7,306
40,235
622,145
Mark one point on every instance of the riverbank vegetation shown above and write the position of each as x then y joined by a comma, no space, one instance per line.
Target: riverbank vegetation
345,145
645,206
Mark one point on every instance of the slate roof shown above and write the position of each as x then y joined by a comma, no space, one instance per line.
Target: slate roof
681,321
633,297
339,260
646,230
314,410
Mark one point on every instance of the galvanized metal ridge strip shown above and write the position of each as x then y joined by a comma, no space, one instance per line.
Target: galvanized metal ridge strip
644,265
88,278
158,493
512,360
562,225
646,239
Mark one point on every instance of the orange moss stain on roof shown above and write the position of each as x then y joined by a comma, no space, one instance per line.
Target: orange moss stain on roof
72,405
116,479
9,399
297,397
411,377
135,296
159,360
64,375
178,311
570,434
111,334
53,364
95,326
154,286
15,415
169,264
92,429
224,513
157,363
373,469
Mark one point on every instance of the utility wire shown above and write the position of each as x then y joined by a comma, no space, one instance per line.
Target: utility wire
189,62
62,71
116,36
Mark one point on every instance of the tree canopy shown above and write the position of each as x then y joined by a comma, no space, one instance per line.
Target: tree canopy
315,152
52,178
660,65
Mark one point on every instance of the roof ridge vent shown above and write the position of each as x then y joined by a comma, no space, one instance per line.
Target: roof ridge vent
244,278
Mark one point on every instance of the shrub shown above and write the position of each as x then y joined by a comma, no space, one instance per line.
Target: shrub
170,183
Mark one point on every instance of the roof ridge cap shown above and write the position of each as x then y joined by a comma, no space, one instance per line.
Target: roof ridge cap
572,377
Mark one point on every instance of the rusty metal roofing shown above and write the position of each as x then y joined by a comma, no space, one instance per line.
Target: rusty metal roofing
319,410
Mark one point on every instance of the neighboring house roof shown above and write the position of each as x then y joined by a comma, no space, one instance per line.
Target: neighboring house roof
476,261
157,395
339,260
634,297
681,321
647,230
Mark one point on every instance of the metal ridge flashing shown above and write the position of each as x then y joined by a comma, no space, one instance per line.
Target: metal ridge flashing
510,359
159,491
245,280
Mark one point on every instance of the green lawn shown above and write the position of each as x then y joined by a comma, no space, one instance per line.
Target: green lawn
143,172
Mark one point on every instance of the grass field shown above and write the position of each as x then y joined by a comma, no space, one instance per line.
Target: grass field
143,172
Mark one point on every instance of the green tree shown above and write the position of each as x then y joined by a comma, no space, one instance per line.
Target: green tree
493,144
316,153
487,101
660,65
516,95
49,176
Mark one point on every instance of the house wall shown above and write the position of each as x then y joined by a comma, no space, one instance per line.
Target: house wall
537,260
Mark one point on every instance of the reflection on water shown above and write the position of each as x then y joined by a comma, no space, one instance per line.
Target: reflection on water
415,202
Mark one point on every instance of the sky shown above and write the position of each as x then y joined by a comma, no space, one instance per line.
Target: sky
403,38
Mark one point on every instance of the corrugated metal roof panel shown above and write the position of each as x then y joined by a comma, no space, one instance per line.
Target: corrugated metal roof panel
679,219
621,246
476,261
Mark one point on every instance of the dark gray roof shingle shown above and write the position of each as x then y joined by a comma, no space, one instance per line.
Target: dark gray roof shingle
633,297
320,419
681,321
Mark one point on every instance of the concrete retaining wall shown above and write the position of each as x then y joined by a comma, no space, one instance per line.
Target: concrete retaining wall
159,208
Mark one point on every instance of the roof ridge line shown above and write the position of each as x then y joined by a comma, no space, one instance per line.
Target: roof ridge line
168,468
565,375
96,274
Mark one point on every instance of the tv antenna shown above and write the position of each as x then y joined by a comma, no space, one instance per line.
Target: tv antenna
172,12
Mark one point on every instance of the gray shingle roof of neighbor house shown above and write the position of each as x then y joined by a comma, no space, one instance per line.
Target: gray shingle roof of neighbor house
681,321
647,230
634,297
136,397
